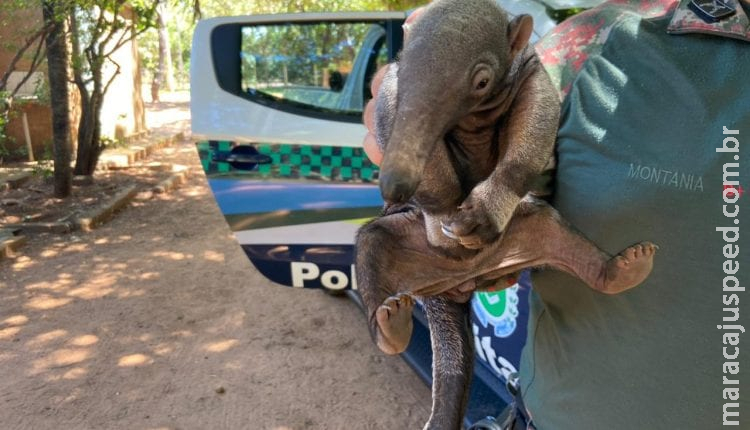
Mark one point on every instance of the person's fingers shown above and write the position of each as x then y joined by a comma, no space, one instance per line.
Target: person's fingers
370,144
369,116
411,19
372,149
377,79
369,113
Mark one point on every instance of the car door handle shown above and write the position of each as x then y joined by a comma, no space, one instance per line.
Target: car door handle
249,158
242,157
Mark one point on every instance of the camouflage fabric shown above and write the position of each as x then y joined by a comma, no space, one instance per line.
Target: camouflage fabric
566,48
646,98
685,20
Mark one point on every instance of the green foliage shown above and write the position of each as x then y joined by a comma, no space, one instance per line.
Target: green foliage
211,8
110,143
3,123
12,11
3,116
44,167
563,14
301,55
41,92
144,13
180,28
103,25
148,48
98,29
180,23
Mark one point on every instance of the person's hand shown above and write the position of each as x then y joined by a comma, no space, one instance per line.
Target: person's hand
370,144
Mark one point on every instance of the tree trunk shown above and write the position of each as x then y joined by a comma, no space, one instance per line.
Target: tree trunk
89,131
92,94
166,71
57,66
180,73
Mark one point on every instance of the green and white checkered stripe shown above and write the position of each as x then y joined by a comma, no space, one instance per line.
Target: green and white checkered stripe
327,163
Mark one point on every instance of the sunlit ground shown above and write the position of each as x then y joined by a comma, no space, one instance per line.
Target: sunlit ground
156,320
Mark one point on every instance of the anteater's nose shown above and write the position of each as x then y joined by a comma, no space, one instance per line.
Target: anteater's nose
397,188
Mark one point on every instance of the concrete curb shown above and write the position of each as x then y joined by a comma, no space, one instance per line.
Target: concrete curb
124,158
171,183
10,243
60,227
15,181
90,220
158,166
95,217
130,139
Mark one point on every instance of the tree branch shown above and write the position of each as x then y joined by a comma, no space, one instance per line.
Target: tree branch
41,33
112,78
98,29
113,27
76,63
197,14
121,41
130,32
37,59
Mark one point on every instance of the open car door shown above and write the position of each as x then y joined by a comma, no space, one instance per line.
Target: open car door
277,107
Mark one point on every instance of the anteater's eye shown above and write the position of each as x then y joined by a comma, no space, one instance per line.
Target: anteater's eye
482,79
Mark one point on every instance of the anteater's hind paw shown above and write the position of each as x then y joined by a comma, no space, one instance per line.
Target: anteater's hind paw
628,269
394,323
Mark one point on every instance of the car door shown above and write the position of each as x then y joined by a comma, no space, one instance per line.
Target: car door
276,105
276,108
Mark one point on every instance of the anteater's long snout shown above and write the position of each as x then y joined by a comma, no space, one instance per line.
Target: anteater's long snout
397,185
420,118
406,156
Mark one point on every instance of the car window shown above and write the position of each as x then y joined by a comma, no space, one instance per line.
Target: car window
314,66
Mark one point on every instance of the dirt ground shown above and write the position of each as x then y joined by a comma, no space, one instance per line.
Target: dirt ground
34,200
157,320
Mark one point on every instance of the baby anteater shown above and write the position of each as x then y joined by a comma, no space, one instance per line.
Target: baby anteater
467,120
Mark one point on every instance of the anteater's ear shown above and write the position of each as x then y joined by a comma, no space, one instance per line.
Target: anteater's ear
519,33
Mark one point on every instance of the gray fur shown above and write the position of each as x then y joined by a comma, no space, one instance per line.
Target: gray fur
458,165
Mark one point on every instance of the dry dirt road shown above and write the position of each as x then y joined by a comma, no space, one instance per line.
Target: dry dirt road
158,321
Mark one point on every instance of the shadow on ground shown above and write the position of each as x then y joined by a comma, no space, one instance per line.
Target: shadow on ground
157,321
